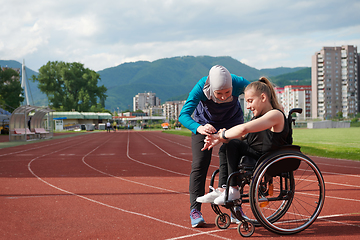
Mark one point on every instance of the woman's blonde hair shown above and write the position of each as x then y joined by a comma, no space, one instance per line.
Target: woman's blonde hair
263,85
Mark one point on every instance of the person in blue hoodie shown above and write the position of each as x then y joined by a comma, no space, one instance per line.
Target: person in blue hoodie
214,103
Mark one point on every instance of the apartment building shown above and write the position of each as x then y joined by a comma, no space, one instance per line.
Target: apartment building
295,96
172,109
335,81
145,100
154,111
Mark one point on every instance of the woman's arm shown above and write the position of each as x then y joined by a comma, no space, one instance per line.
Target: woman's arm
195,96
273,120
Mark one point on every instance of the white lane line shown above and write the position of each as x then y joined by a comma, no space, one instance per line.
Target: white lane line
345,199
338,166
153,166
42,146
317,163
174,142
326,196
330,183
107,205
182,159
120,208
322,218
341,184
213,155
199,234
339,215
124,179
341,174
38,196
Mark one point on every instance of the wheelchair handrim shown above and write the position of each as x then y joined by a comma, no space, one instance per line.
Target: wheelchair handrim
262,170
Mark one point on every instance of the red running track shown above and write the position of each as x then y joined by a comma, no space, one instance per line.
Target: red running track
134,185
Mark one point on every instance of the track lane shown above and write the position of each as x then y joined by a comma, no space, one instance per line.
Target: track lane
143,193
125,199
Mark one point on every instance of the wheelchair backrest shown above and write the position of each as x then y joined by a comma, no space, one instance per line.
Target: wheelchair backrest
290,122
287,164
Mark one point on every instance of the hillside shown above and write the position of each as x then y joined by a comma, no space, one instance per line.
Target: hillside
279,71
300,77
169,78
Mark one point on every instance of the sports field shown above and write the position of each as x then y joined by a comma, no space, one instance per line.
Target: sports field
134,185
333,142
343,143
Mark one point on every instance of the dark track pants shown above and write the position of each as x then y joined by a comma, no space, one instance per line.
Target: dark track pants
199,168
235,149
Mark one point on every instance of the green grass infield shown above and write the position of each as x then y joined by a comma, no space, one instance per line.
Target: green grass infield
342,143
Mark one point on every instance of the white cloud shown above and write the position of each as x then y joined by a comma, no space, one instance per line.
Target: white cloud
103,34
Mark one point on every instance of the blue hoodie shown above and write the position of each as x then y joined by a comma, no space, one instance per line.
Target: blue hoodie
219,115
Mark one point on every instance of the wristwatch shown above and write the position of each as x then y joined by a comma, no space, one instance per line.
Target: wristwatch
223,135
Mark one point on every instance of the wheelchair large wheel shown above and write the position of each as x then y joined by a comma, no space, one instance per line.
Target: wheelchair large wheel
295,201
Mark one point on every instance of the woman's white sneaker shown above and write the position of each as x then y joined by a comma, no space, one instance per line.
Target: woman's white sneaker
233,194
209,197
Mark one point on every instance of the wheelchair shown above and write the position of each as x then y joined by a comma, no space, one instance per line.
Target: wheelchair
283,191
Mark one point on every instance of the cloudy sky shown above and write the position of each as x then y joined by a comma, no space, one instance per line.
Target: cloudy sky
106,33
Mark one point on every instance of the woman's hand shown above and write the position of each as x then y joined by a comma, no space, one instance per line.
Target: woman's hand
211,141
207,129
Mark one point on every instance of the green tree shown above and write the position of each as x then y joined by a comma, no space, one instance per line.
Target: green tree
339,115
71,86
10,89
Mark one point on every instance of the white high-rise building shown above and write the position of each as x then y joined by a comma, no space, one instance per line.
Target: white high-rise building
295,96
334,82
172,109
145,100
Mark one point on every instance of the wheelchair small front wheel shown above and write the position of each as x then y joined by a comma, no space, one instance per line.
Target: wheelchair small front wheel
222,221
246,229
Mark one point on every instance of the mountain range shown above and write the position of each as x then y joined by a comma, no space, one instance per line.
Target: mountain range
170,78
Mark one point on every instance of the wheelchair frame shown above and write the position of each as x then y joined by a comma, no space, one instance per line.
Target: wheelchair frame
285,195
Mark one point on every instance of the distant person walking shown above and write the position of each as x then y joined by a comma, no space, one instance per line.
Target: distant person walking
108,126
114,126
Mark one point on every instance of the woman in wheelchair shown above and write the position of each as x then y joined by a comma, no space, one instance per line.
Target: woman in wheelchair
270,182
267,131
